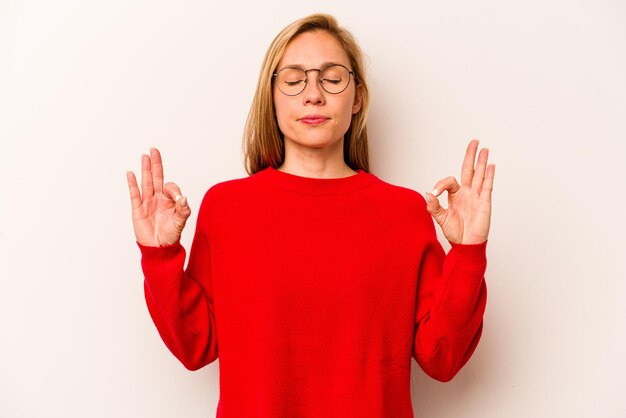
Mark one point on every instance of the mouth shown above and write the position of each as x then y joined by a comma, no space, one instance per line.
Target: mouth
313,120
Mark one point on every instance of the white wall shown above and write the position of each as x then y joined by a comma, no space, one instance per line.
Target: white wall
87,87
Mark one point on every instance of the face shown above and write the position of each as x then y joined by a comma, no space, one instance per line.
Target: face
314,50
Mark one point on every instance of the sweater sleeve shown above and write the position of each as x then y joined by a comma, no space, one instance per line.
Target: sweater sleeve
180,301
451,299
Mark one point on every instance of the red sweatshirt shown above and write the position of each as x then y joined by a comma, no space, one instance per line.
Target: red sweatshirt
315,294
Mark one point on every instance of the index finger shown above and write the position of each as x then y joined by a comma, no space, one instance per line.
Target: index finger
467,171
157,170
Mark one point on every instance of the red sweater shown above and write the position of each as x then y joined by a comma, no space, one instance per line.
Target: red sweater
315,294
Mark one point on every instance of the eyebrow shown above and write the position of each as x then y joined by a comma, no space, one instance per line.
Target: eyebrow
324,64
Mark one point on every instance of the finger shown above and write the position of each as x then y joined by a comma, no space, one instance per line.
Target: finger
171,191
449,183
485,193
434,208
467,171
147,191
135,196
181,213
157,170
479,173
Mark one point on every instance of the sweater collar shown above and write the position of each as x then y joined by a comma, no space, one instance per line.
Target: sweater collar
317,186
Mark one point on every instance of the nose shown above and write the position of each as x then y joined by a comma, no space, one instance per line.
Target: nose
313,92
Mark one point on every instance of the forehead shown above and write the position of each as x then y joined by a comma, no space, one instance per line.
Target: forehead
312,49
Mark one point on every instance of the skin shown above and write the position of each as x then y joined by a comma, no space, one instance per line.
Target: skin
315,150
467,218
159,211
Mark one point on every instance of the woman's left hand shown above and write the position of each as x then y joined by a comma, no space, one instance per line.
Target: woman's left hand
467,218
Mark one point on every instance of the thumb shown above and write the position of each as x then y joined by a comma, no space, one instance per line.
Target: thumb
434,208
181,211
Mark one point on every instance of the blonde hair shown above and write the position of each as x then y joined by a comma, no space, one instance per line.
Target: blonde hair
263,144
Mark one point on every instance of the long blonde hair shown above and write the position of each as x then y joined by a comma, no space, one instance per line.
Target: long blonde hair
263,144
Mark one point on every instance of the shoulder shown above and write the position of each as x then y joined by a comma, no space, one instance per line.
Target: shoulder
228,190
401,207
400,195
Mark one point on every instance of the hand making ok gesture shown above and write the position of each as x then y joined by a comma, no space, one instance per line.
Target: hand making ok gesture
160,211
467,218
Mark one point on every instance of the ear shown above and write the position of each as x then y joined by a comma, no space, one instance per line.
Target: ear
358,99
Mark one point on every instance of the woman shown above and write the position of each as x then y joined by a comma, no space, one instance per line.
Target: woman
314,281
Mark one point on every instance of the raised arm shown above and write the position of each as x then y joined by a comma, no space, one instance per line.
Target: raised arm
452,293
179,301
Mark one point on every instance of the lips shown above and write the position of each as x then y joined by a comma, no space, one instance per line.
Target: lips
313,119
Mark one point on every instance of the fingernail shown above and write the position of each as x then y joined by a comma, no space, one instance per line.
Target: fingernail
435,192
183,202
177,197
427,197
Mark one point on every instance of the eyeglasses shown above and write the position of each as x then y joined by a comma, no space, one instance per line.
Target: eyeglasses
334,78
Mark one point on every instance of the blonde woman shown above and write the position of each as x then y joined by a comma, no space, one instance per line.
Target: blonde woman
312,280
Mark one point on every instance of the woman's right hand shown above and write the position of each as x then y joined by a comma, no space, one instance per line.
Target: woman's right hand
159,211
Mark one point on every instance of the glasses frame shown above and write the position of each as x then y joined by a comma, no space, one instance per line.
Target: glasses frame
319,80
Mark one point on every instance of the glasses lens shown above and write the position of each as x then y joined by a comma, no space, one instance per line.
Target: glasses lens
291,80
335,78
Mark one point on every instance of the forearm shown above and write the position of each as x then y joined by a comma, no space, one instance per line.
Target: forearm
464,291
179,306
448,332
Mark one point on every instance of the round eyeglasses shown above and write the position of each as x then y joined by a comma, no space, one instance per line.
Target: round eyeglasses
333,78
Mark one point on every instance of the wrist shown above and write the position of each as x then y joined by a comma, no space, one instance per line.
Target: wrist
472,239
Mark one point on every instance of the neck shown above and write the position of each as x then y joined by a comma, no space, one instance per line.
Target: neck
315,162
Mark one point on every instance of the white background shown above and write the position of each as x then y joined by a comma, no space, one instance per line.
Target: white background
87,87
